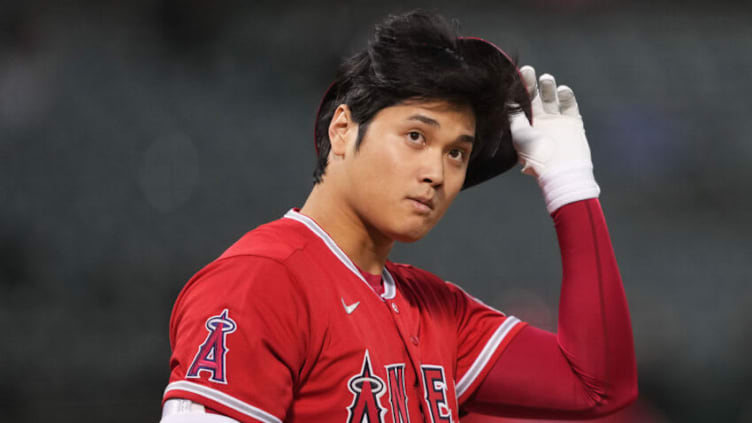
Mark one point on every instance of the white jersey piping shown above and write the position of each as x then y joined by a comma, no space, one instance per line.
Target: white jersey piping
224,399
389,288
480,363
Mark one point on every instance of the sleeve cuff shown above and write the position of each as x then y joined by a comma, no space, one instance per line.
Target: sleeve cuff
219,401
568,185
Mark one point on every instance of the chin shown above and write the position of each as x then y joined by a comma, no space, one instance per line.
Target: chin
411,234
408,239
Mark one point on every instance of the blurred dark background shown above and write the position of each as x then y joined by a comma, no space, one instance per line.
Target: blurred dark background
138,139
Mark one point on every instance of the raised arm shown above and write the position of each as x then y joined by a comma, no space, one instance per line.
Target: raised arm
588,369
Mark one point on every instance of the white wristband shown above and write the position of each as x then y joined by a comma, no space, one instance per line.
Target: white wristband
564,186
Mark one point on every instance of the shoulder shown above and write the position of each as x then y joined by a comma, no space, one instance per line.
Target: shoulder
408,273
276,240
422,287
428,288
254,267
248,286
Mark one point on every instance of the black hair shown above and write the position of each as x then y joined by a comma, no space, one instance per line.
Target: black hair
420,56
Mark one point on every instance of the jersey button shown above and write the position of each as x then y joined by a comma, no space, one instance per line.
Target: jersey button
414,339
395,308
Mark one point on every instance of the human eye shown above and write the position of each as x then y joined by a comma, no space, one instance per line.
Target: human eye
415,137
458,154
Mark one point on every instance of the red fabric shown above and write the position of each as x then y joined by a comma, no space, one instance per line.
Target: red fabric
282,328
588,369
373,280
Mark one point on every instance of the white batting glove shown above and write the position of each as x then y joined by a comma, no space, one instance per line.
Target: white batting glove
554,149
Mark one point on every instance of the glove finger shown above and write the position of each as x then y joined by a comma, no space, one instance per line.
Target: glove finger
528,78
547,87
523,140
531,84
567,101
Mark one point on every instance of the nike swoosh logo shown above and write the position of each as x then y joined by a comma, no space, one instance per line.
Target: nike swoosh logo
350,308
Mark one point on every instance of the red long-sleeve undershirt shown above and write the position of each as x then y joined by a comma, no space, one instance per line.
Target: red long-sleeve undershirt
588,369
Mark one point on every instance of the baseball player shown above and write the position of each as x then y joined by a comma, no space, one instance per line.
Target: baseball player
305,319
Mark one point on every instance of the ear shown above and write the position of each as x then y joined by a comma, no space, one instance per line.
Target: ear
342,130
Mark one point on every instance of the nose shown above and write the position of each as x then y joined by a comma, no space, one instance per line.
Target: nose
432,169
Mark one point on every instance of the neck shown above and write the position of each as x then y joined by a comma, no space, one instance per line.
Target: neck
363,244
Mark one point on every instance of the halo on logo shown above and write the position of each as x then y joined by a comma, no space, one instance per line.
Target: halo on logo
228,325
356,384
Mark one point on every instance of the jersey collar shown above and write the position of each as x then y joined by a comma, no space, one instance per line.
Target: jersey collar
389,288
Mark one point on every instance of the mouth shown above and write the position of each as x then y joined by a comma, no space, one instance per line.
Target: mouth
422,205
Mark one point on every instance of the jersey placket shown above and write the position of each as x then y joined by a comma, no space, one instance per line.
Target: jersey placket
405,317
407,321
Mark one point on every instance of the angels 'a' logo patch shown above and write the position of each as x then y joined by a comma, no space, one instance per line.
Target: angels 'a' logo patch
367,389
211,354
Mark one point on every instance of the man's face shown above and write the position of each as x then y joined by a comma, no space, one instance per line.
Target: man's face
409,167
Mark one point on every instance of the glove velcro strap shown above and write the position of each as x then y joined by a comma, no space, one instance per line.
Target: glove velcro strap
564,186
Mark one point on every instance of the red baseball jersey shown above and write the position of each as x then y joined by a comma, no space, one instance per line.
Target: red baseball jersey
283,327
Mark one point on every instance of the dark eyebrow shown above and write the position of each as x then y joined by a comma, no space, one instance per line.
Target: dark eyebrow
466,138
428,121
425,119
